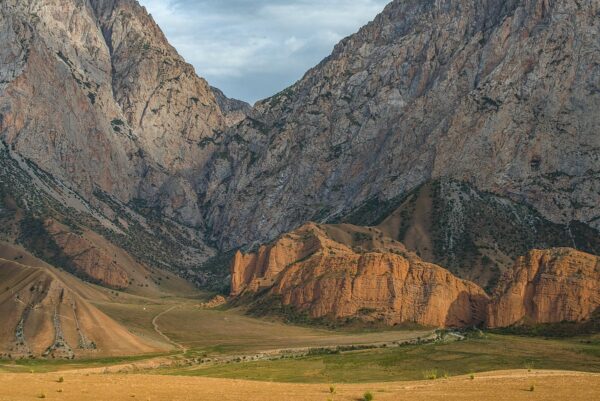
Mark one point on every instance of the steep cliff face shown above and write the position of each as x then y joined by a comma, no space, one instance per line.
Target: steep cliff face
314,274
502,94
100,114
92,92
548,286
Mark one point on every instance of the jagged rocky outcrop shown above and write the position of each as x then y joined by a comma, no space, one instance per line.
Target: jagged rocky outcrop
502,94
311,273
234,110
547,286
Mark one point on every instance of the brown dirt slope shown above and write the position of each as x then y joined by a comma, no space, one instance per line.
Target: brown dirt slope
43,315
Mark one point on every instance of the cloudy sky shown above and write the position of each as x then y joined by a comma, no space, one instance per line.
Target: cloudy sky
252,49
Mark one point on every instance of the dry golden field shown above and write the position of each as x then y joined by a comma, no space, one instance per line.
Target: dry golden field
503,385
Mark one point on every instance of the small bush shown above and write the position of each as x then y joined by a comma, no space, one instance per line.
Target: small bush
368,396
61,379
331,389
431,374
532,388
42,395
472,377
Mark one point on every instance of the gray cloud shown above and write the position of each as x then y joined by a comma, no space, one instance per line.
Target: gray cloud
252,49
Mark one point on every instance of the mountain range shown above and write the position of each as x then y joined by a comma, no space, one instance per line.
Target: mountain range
465,133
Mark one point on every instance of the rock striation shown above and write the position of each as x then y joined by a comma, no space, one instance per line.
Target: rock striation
313,274
547,286
501,94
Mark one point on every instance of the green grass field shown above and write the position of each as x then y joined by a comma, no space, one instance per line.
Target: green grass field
492,352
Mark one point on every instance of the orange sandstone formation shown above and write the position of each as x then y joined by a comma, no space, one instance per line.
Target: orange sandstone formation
324,278
547,286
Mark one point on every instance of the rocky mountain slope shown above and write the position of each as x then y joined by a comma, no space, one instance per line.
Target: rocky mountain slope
103,124
308,272
549,286
477,235
107,131
93,93
343,273
501,94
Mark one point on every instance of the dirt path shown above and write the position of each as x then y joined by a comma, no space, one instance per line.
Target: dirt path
181,347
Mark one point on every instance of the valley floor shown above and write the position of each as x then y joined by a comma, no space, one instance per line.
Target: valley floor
502,385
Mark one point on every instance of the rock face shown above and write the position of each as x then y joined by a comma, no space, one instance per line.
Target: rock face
548,286
339,272
92,92
502,94
235,111
314,274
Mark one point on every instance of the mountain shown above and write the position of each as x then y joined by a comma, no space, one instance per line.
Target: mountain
104,127
476,234
235,111
500,94
433,121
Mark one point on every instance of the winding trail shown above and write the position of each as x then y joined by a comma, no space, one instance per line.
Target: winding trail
181,347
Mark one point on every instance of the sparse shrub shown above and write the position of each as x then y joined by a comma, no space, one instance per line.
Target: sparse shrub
42,395
532,388
331,389
368,396
431,374
472,376
61,379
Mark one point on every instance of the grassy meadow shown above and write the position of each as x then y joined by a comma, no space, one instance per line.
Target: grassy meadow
416,362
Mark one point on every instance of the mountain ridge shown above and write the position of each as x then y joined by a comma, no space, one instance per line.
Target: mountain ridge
100,114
